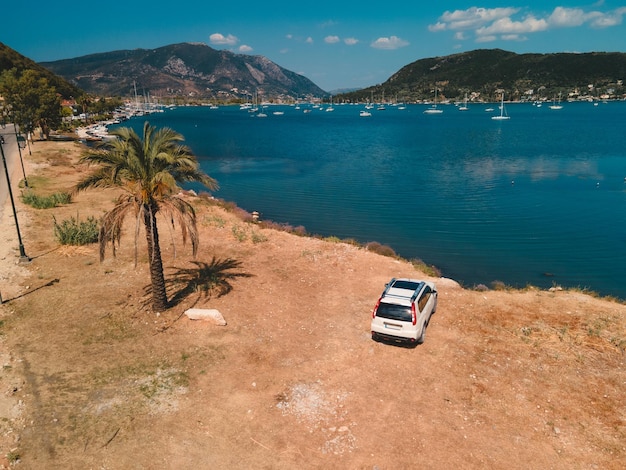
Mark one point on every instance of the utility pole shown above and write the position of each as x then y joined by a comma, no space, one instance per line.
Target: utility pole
19,139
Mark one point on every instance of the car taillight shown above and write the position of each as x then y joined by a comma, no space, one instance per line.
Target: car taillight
375,308
413,314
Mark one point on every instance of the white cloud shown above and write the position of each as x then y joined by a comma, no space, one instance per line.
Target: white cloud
351,41
472,18
220,39
390,43
486,38
439,26
245,48
489,24
331,39
566,17
514,37
309,40
563,17
506,26
610,19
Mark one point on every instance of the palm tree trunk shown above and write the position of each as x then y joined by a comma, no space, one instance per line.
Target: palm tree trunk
159,295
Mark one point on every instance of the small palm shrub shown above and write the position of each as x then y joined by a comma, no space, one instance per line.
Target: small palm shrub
74,232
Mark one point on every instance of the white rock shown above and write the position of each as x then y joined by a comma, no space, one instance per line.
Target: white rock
209,314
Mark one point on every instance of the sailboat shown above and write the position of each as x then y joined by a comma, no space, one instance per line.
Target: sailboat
370,103
556,105
503,116
330,109
464,107
259,111
433,109
381,105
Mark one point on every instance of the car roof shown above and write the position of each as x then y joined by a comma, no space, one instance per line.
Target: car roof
402,291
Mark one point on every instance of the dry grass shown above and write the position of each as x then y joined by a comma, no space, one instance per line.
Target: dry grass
505,379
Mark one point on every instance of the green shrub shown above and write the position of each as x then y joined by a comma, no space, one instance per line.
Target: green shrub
214,220
498,285
62,198
384,250
240,233
428,269
73,232
45,202
299,230
13,457
258,237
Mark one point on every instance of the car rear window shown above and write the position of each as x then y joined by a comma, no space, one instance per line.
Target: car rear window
409,285
394,312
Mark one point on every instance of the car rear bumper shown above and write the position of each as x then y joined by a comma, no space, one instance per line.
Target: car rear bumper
385,337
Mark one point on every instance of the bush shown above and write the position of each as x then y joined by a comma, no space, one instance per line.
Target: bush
430,270
384,250
282,227
258,237
239,233
498,285
73,232
45,202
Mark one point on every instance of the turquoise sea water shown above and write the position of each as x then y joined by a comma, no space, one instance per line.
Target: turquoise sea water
539,199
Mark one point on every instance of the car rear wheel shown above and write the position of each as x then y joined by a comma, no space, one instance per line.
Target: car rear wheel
422,337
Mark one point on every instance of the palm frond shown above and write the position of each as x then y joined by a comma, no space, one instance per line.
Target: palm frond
111,224
181,212
149,169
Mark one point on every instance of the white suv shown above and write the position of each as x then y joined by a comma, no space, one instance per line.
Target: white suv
403,311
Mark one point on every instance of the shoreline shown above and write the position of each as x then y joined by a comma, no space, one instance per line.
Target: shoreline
9,249
517,241
95,378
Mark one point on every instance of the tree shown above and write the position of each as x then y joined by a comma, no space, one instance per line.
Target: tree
149,170
30,100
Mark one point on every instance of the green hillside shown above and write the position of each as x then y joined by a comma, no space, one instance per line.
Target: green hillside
9,59
186,69
483,74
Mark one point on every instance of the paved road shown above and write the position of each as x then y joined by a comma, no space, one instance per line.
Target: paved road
11,155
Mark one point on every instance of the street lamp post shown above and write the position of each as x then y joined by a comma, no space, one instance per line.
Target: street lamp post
29,133
21,143
23,257
29,138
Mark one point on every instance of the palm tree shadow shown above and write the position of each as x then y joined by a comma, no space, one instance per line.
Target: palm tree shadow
207,280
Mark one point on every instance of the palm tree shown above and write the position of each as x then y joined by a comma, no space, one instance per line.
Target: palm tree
149,170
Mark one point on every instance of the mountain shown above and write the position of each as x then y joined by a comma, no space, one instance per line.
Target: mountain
10,58
340,91
482,73
185,69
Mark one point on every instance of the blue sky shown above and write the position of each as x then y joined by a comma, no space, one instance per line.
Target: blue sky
335,44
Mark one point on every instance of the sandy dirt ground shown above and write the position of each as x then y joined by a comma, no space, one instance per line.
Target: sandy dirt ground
92,379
